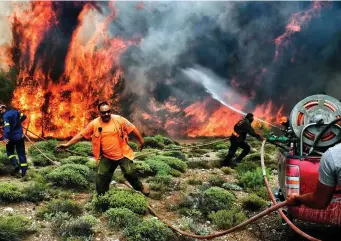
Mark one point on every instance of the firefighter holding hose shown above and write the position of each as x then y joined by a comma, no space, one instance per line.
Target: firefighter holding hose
13,138
238,139
110,147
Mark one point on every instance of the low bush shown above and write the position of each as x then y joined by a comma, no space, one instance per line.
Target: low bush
121,218
5,164
84,148
43,160
228,170
253,202
75,160
246,166
148,230
263,193
216,180
165,165
54,207
44,146
36,192
216,198
143,169
162,184
231,186
70,175
10,193
117,198
194,181
221,146
177,154
252,179
152,142
15,227
225,219
81,227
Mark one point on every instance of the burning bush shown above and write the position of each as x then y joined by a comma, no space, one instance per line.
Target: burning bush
15,227
253,202
70,175
121,218
148,230
225,219
116,198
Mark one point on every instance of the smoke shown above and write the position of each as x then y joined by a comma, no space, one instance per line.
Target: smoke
5,30
235,40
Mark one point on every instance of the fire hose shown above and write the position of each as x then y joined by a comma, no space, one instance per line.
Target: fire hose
287,220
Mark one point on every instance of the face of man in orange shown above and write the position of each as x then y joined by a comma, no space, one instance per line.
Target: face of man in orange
105,113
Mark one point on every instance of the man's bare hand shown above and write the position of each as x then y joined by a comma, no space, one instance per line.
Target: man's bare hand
292,200
5,141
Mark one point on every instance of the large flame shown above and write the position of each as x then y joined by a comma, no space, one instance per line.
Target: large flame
61,108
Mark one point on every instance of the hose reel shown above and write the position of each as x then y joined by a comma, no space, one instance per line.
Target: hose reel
319,109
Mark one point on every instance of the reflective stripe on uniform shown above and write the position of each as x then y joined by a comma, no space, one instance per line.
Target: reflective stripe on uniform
11,156
7,124
23,164
21,114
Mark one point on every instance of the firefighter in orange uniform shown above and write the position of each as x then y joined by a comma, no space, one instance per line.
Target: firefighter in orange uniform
109,134
238,137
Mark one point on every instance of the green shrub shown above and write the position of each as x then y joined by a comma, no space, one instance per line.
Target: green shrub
216,198
222,154
43,160
164,140
70,175
83,148
228,170
252,179
44,146
78,227
159,167
221,146
121,218
60,206
216,180
152,142
245,166
200,164
133,146
177,154
119,177
263,193
162,184
225,219
148,230
91,164
231,186
142,168
253,202
75,160
117,198
10,193
15,227
5,164
173,162
36,192
194,181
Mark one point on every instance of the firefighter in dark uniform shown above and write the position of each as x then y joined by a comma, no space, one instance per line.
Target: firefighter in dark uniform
238,137
13,138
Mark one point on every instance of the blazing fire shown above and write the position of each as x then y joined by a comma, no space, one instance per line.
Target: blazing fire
59,101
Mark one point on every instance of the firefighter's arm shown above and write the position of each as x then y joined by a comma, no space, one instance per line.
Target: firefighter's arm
319,199
251,131
7,128
71,142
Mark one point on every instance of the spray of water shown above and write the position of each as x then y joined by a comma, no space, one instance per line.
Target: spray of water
213,85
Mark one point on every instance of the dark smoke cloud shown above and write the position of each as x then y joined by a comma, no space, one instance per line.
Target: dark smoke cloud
234,40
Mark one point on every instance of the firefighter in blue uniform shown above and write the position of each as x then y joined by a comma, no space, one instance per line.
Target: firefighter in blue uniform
237,140
13,137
